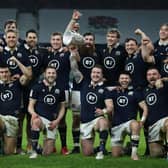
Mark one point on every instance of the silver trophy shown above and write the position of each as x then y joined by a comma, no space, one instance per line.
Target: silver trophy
72,37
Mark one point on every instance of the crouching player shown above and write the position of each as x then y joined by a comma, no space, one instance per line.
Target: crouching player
157,98
10,102
95,102
126,102
47,107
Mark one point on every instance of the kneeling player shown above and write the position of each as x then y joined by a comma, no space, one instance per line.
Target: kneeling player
45,98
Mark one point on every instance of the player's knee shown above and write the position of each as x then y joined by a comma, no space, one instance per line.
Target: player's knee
166,124
36,123
103,123
2,126
156,151
135,126
87,152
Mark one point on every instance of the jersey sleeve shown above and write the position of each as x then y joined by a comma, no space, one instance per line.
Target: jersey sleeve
34,92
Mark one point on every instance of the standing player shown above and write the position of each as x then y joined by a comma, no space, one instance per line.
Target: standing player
9,25
47,108
113,57
126,101
60,60
10,50
35,55
156,99
161,45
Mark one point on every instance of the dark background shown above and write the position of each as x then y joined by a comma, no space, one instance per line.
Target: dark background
29,5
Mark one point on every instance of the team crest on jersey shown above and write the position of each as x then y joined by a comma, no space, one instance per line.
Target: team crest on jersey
130,93
57,91
151,99
101,91
117,53
7,95
10,85
36,52
34,60
166,50
88,62
130,67
91,98
95,54
43,90
19,55
122,101
165,66
54,63
109,62
12,64
49,99
62,54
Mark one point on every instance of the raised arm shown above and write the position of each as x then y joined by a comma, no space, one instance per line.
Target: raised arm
146,46
27,71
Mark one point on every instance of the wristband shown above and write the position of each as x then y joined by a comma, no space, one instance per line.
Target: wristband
143,118
104,111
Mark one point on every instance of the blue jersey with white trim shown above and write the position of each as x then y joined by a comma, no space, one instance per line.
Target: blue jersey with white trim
137,68
156,100
20,54
47,101
61,61
113,63
92,98
10,98
125,105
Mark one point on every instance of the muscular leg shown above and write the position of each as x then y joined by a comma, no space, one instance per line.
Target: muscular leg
102,126
9,145
156,149
165,129
76,132
63,130
87,146
135,132
48,146
117,151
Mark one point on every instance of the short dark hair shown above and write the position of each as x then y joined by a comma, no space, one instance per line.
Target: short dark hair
50,67
152,67
31,31
57,34
100,67
131,39
116,31
89,34
125,73
10,21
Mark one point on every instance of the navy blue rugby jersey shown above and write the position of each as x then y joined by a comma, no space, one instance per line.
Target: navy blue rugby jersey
87,62
92,98
47,101
10,98
160,49
156,100
19,54
113,63
125,105
36,56
61,61
137,68
161,62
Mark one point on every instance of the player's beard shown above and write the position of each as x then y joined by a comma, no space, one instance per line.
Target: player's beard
87,50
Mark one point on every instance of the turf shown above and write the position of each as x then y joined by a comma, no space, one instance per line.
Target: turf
79,161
